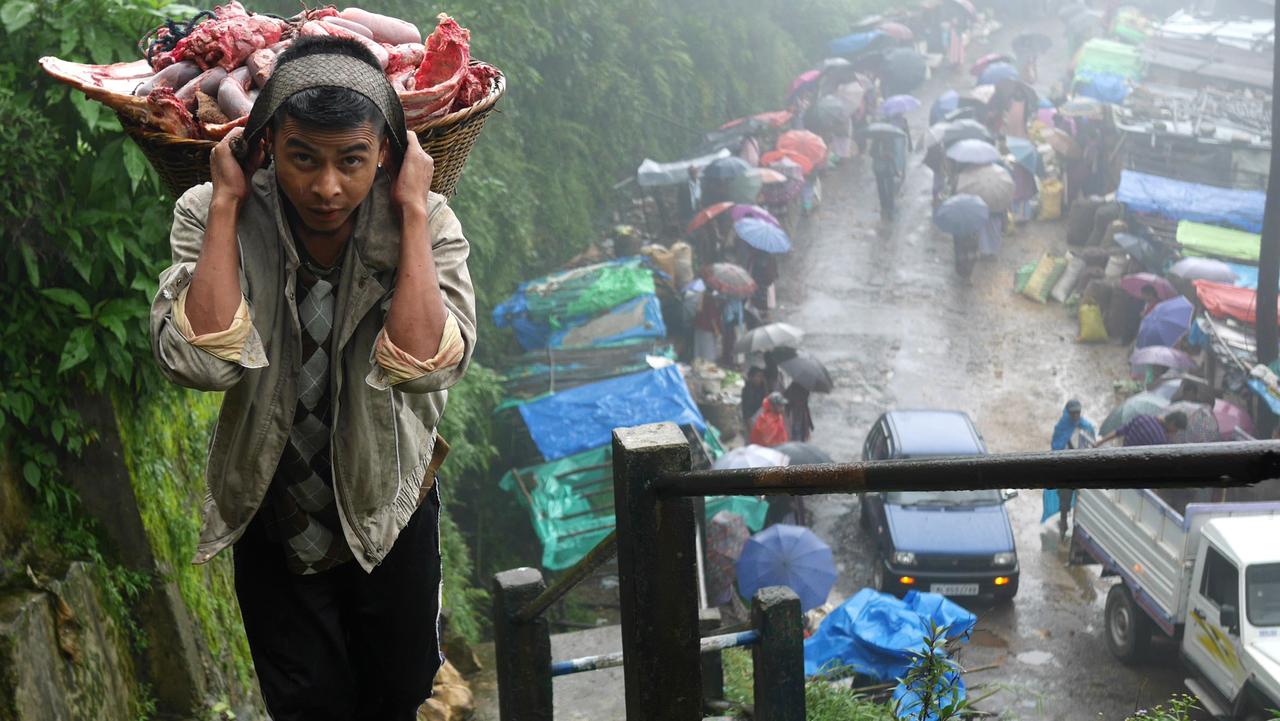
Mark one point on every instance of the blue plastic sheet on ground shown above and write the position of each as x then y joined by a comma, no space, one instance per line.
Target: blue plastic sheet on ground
584,417
1180,200
907,702
875,634
1107,87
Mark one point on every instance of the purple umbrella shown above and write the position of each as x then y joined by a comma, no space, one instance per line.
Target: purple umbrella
995,72
738,212
1133,285
898,105
763,235
791,556
1166,323
1159,355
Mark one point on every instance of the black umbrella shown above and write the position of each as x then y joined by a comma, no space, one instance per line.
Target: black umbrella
903,70
809,372
802,454
965,129
883,130
726,169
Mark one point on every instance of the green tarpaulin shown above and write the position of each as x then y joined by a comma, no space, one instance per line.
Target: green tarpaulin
587,291
1109,56
1218,242
570,501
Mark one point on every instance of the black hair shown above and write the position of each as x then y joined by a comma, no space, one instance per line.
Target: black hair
1177,419
328,108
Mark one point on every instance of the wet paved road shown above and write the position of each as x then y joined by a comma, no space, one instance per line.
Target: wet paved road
885,311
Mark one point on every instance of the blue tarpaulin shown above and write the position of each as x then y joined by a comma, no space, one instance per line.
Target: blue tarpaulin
1107,87
1180,200
584,417
636,320
874,634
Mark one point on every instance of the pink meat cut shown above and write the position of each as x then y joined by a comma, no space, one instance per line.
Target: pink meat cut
226,41
439,78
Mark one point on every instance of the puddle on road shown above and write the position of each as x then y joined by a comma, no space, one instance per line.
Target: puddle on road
1035,658
987,639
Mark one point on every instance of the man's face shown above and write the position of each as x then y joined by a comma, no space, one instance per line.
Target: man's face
326,174
1075,416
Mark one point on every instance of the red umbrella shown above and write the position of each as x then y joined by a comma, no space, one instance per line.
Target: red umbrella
705,215
1133,285
985,60
897,31
803,79
773,156
806,143
730,279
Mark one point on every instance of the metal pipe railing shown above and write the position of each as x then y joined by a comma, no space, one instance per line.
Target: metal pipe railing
1185,465
710,644
606,549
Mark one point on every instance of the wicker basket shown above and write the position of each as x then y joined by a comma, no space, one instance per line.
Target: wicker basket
183,163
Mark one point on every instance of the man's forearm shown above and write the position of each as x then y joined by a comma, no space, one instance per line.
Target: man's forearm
416,319
214,294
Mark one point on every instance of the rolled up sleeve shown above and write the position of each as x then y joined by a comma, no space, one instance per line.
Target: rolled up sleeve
184,358
391,365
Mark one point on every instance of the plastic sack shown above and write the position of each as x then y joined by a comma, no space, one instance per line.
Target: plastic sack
1115,267
1047,272
1051,192
1022,276
684,263
770,429
1070,277
1092,329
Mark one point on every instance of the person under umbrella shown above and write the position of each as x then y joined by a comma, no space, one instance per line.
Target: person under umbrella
753,395
799,418
770,426
790,556
884,165
1071,432
1148,430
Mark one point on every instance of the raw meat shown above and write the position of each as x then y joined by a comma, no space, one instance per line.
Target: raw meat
206,82
475,86
438,79
225,41
352,26
174,76
385,29
261,64
164,112
403,63
320,27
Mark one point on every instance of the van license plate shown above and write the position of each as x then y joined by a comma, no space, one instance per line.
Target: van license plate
954,589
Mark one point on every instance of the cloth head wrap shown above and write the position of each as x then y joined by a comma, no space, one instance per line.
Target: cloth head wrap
319,71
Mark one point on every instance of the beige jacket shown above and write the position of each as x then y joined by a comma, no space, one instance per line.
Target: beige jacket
384,428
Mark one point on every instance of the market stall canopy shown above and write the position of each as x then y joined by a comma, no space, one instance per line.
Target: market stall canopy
1244,34
1109,57
1178,200
1228,301
1218,242
568,298
653,174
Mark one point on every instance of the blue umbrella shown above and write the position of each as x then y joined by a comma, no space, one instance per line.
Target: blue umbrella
853,44
790,556
1026,155
945,103
974,152
898,105
995,72
961,215
1166,323
762,235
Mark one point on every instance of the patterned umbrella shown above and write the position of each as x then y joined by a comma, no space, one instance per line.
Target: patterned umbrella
791,556
738,212
1133,285
1166,323
767,337
808,372
763,235
732,280
1230,417
992,183
1148,404
1202,426
898,105
727,534
705,215
1159,355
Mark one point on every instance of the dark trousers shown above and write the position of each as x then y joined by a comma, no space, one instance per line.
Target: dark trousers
344,644
887,187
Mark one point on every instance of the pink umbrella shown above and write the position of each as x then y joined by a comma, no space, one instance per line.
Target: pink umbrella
1159,355
803,79
897,31
1133,285
738,212
1230,417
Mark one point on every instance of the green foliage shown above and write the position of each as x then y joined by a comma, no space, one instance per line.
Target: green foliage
935,680
824,701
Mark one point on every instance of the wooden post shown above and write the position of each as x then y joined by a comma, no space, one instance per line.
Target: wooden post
712,663
657,577
778,660
523,648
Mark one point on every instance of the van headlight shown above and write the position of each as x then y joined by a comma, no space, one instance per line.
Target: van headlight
904,558
1008,558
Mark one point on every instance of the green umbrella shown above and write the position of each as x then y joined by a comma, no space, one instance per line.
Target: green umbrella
1148,404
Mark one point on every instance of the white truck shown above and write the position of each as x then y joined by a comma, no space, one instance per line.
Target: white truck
1205,574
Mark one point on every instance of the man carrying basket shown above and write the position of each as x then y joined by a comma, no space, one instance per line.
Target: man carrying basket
319,284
